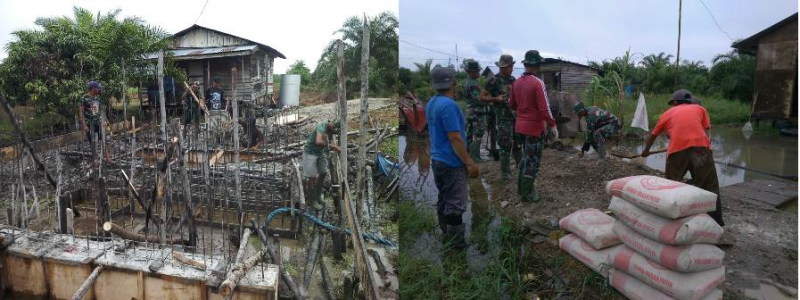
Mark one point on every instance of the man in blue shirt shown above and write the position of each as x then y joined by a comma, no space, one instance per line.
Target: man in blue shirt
451,161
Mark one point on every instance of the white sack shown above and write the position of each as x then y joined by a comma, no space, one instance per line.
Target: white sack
596,260
663,197
634,289
695,229
640,116
591,225
686,258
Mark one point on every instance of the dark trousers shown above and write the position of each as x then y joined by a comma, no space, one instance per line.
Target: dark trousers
453,192
698,161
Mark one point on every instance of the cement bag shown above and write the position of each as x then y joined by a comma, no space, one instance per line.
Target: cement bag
695,229
686,258
596,260
591,225
634,289
664,197
685,286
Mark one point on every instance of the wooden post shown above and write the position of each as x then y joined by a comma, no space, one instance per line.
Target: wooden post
311,259
187,193
133,164
121,232
678,57
365,272
342,98
370,199
299,292
236,161
242,246
362,134
86,286
124,94
161,98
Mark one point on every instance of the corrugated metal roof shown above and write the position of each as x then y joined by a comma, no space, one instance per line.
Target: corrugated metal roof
196,53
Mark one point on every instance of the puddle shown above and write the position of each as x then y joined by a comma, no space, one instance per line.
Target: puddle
417,184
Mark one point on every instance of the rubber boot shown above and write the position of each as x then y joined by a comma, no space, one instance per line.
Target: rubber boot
601,151
526,189
442,224
517,154
475,152
505,167
455,237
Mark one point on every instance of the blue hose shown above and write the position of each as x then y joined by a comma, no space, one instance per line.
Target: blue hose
319,222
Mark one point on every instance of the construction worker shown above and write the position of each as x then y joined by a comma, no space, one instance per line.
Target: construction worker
90,118
529,99
451,161
215,95
476,120
496,91
192,114
600,126
315,160
687,124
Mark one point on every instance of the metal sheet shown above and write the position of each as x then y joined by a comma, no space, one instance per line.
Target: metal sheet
290,90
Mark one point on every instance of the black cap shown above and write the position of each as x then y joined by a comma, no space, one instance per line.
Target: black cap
442,77
217,79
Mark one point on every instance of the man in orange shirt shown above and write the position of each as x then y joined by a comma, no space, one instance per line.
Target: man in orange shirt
687,124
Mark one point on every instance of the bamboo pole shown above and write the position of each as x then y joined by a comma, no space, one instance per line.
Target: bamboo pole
86,286
236,159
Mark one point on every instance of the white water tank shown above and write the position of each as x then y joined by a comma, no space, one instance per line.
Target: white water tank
290,90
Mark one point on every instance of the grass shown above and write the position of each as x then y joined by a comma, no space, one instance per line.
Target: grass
721,111
422,279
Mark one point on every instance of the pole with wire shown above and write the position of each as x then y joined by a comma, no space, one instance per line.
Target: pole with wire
678,57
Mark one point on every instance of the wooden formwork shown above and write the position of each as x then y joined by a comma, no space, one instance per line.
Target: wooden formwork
53,266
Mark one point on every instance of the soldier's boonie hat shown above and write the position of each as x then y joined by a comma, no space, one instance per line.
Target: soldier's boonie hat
442,78
505,61
470,65
532,57
578,107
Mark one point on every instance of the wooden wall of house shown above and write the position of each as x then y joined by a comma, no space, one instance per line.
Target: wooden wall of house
201,38
199,70
776,74
574,79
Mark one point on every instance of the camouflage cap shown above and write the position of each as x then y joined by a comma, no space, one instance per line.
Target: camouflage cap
505,61
578,107
470,65
532,57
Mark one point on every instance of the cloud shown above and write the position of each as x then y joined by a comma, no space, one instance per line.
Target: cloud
487,48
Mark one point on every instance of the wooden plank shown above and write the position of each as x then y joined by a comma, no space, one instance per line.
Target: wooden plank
764,192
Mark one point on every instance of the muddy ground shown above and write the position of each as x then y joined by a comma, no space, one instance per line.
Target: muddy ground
764,254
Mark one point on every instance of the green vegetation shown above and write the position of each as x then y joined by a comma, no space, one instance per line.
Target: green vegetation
299,67
48,67
423,279
382,63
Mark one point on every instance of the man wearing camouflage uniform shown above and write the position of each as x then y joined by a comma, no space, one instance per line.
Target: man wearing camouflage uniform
496,91
600,126
476,120
315,160
529,99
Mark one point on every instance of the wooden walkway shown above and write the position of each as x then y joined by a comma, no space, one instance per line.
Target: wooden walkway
762,192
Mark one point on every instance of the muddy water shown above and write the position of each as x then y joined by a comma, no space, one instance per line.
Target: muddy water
417,184
769,154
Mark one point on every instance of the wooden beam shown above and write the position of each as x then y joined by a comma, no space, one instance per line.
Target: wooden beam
299,292
188,261
86,286
239,270
121,232
363,114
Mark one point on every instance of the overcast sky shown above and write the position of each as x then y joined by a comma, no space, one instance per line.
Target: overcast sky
298,29
578,31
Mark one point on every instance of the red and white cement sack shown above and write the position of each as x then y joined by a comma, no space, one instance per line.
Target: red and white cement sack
591,225
686,258
695,229
634,289
689,286
663,197
596,260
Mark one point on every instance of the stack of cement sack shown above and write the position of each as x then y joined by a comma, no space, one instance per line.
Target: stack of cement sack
668,238
592,239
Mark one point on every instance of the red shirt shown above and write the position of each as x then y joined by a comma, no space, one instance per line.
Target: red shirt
686,126
529,98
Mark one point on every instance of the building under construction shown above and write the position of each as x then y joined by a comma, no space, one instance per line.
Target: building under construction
209,212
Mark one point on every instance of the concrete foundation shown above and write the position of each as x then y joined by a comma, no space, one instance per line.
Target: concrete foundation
53,266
